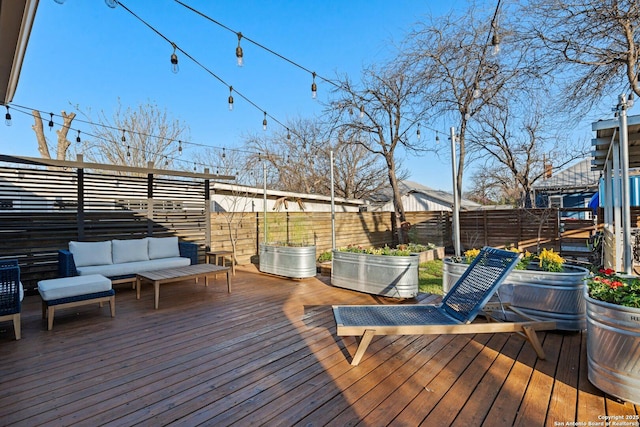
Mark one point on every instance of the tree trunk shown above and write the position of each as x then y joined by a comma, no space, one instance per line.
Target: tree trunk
43,148
63,142
398,208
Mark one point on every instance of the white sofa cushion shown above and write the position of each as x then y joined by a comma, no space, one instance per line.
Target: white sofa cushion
129,268
163,247
91,253
130,250
72,286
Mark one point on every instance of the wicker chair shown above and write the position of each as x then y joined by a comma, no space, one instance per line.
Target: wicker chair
10,293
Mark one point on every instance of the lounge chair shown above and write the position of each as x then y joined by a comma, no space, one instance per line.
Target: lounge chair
453,315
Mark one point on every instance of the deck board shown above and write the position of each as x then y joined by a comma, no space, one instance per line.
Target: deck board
267,354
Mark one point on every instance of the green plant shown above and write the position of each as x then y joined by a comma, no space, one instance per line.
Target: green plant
386,250
325,256
547,260
609,287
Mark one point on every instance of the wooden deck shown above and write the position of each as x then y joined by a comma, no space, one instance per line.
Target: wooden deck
267,354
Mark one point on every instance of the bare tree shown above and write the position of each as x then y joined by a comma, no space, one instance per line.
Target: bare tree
135,137
299,161
381,115
593,45
513,140
63,143
456,56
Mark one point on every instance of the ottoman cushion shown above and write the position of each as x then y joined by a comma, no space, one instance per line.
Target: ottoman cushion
73,286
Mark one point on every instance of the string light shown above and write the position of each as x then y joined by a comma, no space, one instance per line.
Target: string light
418,131
495,42
239,53
123,139
361,111
51,121
180,147
314,87
78,140
174,60
230,98
7,117
224,154
437,138
264,121
288,135
166,161
128,153
111,3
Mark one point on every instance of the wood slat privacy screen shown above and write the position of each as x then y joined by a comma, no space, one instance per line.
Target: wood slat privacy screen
42,210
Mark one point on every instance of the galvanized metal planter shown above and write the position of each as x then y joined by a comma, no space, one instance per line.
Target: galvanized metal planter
297,262
391,276
613,348
542,295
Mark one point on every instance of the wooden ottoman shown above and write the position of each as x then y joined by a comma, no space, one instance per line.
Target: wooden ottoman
74,291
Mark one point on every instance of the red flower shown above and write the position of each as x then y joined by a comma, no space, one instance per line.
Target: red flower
616,284
607,271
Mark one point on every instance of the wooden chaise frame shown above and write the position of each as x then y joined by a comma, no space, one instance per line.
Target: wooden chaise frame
468,298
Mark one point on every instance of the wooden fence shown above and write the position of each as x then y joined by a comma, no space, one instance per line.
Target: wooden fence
42,210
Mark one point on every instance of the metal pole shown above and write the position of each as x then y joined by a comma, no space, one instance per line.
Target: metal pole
264,199
456,202
333,204
626,210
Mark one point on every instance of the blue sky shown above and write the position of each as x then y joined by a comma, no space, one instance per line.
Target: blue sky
86,54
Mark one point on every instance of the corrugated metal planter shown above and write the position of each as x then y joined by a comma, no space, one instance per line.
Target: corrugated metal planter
391,276
613,348
297,262
542,295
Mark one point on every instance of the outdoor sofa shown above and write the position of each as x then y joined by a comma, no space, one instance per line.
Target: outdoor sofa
120,260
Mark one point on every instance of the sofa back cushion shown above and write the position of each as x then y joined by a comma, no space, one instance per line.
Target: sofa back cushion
130,250
163,247
91,253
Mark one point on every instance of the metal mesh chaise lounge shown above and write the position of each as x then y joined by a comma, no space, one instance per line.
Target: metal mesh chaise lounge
453,315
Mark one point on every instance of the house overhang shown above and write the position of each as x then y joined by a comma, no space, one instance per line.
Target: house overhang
16,20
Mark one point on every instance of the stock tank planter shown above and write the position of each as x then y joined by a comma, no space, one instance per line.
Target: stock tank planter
613,348
390,276
297,262
543,295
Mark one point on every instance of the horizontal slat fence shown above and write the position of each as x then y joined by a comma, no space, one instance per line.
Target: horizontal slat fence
42,210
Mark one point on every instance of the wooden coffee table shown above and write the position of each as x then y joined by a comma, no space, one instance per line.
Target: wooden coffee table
178,274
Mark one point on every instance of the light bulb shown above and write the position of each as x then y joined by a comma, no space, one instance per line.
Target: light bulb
361,111
7,117
437,139
180,147
314,87
123,139
128,152
476,93
495,42
78,137
239,53
111,3
418,131
174,61
51,121
264,121
230,98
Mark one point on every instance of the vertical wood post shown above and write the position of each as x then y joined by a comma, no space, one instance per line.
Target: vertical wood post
80,216
207,212
150,215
